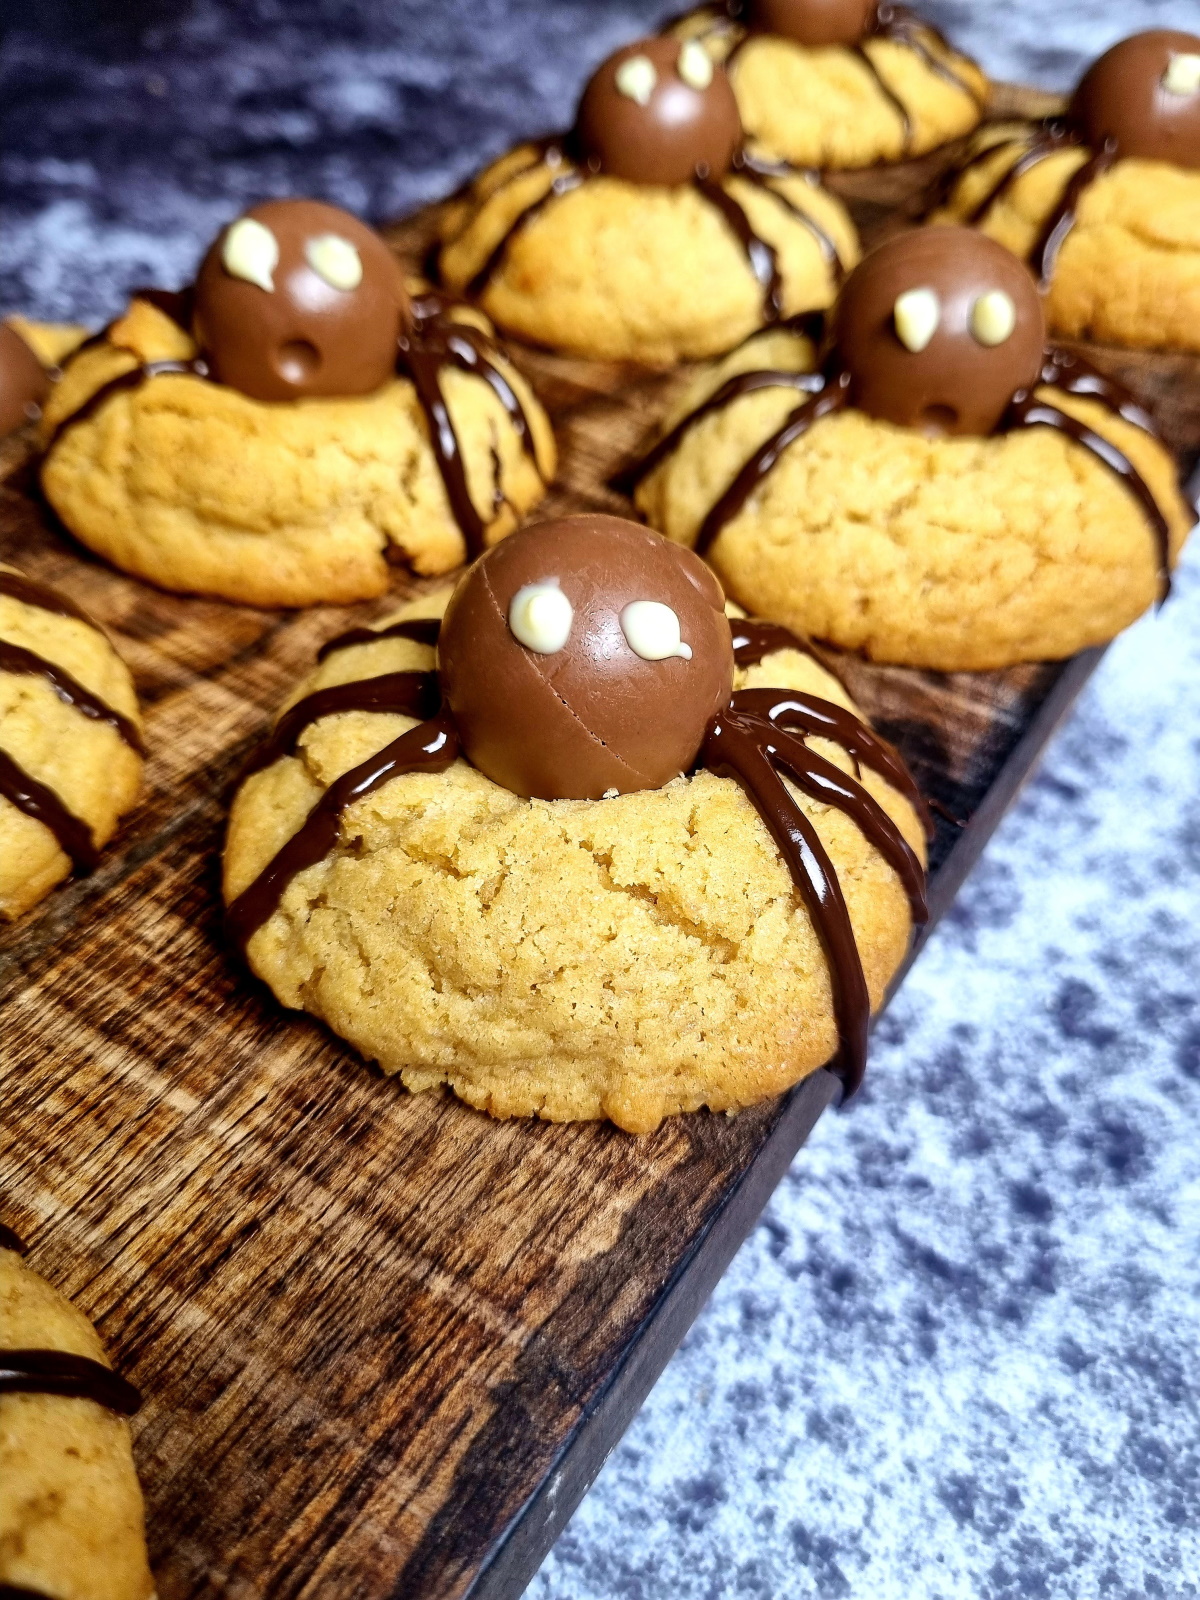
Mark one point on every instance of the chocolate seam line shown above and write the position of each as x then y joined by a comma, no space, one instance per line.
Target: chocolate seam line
41,803
733,750
405,694
431,747
16,659
58,1372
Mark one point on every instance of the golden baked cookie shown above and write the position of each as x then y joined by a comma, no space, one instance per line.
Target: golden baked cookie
630,956
1104,202
897,92
200,488
71,1517
1127,272
70,741
617,271
648,232
945,491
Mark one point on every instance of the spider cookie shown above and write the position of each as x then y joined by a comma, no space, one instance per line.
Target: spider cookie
71,751
585,848
835,84
276,433
944,492
71,1520
1105,203
648,233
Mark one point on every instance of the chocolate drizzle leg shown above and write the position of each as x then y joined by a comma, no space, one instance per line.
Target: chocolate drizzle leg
757,172
431,747
15,658
122,383
834,395
421,630
565,183
44,806
904,26
74,1377
12,1241
16,586
764,263
406,694
1061,220
7,1592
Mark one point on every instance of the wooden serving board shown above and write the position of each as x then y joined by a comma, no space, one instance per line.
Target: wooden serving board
385,1342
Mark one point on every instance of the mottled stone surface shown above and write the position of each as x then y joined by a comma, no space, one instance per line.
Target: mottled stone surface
960,1356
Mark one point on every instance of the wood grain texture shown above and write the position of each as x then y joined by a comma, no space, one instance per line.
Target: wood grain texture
385,1342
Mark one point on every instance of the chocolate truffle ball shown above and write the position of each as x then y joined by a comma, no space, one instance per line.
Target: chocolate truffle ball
814,22
1144,94
584,656
24,383
659,112
938,329
297,299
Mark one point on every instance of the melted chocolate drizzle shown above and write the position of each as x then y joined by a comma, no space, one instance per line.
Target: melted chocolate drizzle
435,341
762,256
44,806
421,630
760,731
829,391
30,593
409,694
430,747
75,1377
8,1592
758,171
15,658
1050,139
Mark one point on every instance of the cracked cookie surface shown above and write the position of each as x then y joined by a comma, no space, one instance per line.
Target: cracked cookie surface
198,488
70,1504
627,958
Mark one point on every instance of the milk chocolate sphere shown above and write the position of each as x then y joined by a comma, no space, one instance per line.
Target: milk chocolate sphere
24,383
814,23
938,329
1144,94
659,112
584,656
297,299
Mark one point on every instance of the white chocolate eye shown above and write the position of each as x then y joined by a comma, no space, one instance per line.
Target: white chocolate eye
652,631
636,79
1182,76
540,617
695,65
251,252
916,315
335,260
993,317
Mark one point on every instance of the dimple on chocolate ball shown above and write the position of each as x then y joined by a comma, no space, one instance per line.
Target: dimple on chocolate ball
298,299
24,383
938,329
814,23
584,656
659,112
1144,94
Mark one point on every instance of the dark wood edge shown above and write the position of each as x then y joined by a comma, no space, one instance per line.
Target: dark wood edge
520,1550
524,1544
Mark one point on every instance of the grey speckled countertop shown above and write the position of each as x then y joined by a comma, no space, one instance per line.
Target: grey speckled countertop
960,1355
